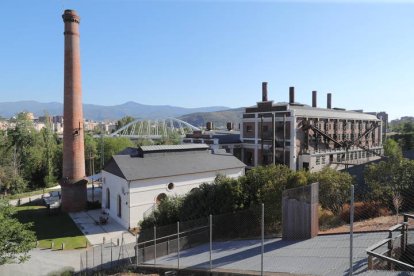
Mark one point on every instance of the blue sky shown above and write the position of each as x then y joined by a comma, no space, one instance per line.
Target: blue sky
204,53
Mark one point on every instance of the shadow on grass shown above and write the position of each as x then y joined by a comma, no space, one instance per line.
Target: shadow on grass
50,226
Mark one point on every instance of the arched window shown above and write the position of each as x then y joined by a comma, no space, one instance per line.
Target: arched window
119,206
108,199
160,198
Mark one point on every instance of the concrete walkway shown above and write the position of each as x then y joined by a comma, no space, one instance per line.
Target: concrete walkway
96,233
322,255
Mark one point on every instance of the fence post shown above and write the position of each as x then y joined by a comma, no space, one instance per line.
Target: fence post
93,256
136,251
111,252
86,261
351,231
178,245
155,245
211,241
262,226
102,256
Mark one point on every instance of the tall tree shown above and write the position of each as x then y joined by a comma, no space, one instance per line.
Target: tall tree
16,239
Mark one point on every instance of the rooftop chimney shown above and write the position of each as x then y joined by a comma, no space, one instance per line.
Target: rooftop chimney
291,94
264,91
329,101
314,99
229,126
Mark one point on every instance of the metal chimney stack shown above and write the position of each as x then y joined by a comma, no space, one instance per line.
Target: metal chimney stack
264,91
314,98
73,182
291,94
329,101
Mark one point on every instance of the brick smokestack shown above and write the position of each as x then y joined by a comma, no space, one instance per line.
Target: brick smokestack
264,91
329,101
291,94
73,182
314,99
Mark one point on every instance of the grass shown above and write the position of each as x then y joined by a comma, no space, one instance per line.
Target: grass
55,227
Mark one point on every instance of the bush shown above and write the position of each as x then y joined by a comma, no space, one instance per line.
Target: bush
364,210
328,220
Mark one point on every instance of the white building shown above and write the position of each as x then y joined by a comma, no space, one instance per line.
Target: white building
135,180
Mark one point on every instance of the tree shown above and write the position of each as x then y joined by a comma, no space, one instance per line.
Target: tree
390,177
334,188
16,239
392,149
124,121
113,145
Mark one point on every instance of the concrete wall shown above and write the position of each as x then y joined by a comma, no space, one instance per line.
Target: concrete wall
117,186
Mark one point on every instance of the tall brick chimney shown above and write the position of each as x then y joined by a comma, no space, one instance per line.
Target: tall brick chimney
73,182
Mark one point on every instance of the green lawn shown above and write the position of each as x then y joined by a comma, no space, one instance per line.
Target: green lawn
56,227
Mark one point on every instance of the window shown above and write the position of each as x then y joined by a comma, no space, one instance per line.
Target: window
249,128
318,160
119,206
108,199
323,160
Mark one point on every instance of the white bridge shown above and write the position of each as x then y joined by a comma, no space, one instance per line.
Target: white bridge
154,129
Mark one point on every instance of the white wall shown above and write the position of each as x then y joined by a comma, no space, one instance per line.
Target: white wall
143,193
115,185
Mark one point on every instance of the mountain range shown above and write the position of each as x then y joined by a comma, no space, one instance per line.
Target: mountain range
101,113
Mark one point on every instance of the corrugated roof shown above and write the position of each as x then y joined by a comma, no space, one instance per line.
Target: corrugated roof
308,111
173,147
154,166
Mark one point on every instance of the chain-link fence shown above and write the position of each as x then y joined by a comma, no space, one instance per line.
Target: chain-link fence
343,232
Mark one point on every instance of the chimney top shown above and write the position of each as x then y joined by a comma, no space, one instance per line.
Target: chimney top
329,101
70,16
264,91
314,98
291,94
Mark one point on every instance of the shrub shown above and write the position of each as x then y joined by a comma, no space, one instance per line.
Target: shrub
328,220
364,210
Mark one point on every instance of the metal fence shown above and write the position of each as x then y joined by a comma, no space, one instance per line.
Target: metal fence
357,237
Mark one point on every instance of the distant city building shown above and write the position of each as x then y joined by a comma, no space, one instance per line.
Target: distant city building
137,179
307,137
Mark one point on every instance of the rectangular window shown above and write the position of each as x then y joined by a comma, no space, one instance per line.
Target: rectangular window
249,128
323,160
318,160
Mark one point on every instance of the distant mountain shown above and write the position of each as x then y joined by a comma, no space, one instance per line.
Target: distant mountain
100,112
219,118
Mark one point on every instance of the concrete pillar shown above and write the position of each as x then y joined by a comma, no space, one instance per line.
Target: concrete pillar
73,180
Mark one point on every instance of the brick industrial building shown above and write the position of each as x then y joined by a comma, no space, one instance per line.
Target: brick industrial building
308,137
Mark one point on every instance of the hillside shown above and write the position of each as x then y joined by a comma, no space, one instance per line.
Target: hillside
219,118
100,112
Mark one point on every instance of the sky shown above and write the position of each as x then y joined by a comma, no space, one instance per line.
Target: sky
214,53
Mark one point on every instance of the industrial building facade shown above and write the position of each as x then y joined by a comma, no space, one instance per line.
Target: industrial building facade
307,137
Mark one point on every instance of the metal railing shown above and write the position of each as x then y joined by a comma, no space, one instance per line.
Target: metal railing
396,246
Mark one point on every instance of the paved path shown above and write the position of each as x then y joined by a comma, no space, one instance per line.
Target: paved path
95,233
44,261
323,255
